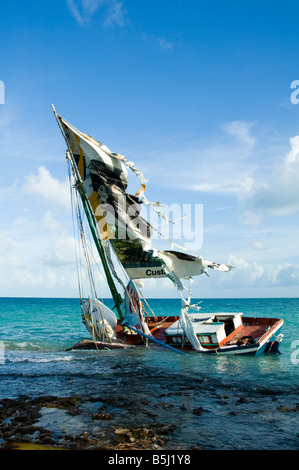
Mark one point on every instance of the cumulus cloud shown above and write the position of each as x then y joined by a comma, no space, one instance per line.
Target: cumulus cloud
278,196
286,275
44,185
256,273
247,272
239,168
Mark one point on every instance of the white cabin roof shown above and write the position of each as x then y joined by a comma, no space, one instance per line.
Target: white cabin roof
203,323
199,328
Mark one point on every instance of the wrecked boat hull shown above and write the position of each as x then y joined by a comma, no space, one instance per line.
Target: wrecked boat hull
268,344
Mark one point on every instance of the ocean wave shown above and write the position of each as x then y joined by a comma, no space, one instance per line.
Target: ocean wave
39,360
20,346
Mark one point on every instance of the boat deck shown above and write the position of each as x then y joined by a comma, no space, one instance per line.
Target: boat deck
252,329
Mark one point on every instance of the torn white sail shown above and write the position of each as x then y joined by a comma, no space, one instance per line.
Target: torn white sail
99,320
163,263
134,316
186,323
104,177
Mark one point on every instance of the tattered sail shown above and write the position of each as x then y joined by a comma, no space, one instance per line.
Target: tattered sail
104,177
113,216
134,315
99,320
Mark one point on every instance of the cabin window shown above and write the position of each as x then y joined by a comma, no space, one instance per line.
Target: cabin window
208,339
214,339
176,339
205,339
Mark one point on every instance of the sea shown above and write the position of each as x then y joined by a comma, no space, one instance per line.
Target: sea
213,402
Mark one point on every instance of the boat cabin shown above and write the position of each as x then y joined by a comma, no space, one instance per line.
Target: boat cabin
211,328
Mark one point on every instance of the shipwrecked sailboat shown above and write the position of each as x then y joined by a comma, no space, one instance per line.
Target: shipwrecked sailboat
123,242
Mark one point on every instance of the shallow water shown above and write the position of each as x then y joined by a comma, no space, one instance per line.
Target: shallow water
249,402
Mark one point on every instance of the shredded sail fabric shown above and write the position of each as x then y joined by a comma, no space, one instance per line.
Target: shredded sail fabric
186,323
104,177
100,321
185,265
134,310
105,180
154,205
172,264
117,228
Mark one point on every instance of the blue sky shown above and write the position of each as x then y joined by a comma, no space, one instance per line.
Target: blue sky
196,93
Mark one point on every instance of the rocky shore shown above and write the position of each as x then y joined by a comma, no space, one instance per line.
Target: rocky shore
102,422
20,429
143,410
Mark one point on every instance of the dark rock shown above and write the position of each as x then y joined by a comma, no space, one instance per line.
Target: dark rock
198,411
287,409
242,400
103,416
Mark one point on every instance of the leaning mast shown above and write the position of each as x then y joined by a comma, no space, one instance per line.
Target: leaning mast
92,225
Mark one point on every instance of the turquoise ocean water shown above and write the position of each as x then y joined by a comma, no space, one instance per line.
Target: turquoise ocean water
33,333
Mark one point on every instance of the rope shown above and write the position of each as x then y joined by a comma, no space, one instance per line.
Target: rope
86,251
147,304
74,232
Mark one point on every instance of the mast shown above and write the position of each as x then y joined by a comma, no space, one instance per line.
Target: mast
91,222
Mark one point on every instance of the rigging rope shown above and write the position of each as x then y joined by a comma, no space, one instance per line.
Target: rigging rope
75,203
74,231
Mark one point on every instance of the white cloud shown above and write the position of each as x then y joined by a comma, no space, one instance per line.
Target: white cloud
254,274
258,246
49,222
50,189
75,11
286,275
37,265
60,252
116,14
164,44
257,272
217,165
247,273
278,196
83,11
240,130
